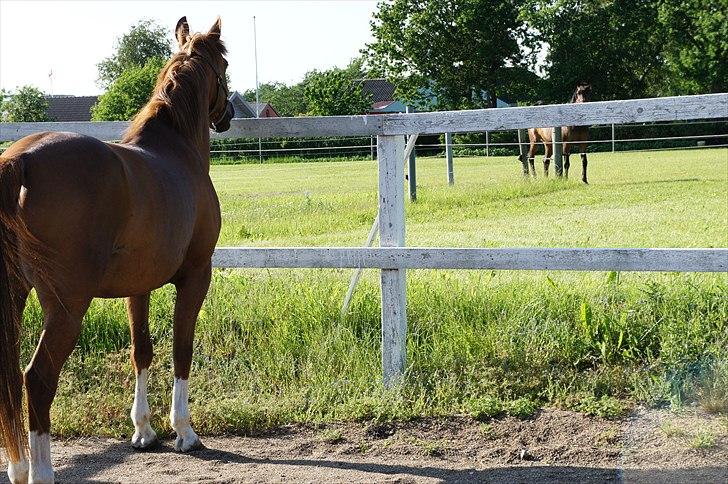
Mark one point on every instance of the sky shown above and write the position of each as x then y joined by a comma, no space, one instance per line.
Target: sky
68,38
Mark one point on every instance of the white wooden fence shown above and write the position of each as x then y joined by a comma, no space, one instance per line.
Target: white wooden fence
391,257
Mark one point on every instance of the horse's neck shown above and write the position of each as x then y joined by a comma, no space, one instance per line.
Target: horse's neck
159,135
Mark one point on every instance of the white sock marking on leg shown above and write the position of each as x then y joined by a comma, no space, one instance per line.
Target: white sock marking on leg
140,414
41,469
179,416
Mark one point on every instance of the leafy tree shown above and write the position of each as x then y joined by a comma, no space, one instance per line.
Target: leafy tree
696,45
286,100
26,105
335,92
616,45
144,41
129,93
461,52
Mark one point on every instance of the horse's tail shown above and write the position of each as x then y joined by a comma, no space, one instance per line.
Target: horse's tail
12,424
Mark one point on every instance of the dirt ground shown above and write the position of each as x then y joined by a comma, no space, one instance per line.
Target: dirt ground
650,446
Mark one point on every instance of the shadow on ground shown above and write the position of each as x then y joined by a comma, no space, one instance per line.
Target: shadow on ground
212,465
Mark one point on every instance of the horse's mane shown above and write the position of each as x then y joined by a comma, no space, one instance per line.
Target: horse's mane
177,96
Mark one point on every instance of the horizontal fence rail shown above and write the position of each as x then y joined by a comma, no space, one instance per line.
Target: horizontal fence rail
575,114
392,258
659,260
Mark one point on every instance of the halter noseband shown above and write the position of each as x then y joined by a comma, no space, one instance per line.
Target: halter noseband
220,84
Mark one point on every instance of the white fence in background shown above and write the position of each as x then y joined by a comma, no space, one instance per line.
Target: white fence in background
392,258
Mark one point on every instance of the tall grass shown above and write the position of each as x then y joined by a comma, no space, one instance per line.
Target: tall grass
271,347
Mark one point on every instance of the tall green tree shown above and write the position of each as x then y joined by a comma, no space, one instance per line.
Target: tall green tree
335,92
696,45
616,45
144,41
27,105
128,93
462,52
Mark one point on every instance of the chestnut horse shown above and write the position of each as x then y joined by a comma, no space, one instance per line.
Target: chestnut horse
82,219
570,135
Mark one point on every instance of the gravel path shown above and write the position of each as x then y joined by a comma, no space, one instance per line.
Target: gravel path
554,446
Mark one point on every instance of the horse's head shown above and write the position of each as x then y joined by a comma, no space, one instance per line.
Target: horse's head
582,93
210,49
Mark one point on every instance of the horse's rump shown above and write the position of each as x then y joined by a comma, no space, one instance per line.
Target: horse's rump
114,214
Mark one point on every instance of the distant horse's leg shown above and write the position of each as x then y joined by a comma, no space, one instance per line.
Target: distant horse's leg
523,158
191,291
547,158
567,164
141,356
583,164
61,328
18,471
532,153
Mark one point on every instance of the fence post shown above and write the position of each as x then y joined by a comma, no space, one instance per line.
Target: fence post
612,137
371,146
558,148
523,152
487,144
390,151
412,170
448,157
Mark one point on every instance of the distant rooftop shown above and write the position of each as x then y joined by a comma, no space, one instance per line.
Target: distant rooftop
70,108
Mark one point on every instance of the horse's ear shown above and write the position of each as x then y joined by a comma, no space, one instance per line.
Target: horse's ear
182,32
215,29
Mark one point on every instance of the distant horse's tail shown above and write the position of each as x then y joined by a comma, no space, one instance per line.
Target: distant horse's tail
12,423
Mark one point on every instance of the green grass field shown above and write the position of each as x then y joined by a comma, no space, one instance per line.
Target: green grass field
272,349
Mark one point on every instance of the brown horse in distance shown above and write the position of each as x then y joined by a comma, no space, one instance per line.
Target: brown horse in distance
80,218
570,135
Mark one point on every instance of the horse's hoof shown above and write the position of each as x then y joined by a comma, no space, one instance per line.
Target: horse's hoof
147,442
42,475
18,472
189,444
585,182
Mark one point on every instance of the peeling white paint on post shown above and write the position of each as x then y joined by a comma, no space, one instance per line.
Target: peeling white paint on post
448,157
390,150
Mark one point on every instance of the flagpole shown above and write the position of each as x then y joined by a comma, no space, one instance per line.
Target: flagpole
257,96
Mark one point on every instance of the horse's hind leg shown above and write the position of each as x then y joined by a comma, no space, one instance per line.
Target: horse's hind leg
61,328
583,164
141,356
567,163
191,291
18,471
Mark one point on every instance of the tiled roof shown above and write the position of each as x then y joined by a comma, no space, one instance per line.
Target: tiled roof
247,109
380,89
70,108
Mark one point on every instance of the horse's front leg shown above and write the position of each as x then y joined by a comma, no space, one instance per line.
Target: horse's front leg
567,164
583,168
141,356
61,328
191,291
549,150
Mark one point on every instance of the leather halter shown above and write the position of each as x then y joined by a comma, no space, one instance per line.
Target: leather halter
220,84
